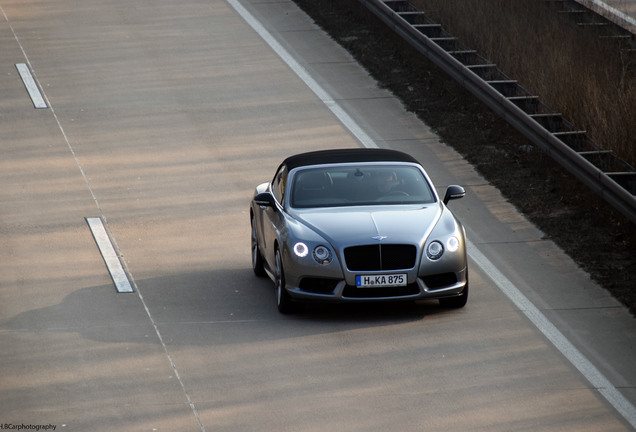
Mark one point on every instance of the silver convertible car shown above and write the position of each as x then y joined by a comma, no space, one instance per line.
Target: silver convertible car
357,225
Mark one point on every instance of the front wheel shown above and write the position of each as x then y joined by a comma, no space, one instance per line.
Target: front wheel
257,258
283,300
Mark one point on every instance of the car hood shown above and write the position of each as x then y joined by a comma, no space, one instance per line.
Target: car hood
343,226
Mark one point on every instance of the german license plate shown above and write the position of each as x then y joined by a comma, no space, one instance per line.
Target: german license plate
379,281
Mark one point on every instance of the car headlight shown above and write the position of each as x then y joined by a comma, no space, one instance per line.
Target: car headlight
322,254
452,244
301,250
435,250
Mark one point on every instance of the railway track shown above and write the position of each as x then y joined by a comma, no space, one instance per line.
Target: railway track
602,171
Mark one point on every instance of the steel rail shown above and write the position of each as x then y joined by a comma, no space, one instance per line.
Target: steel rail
604,173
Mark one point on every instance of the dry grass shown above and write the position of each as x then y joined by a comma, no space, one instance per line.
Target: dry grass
590,80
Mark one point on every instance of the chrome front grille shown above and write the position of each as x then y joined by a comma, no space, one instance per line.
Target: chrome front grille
382,257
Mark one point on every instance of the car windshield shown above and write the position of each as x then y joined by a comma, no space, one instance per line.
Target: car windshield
335,186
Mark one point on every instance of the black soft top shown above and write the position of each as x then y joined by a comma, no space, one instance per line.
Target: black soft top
322,157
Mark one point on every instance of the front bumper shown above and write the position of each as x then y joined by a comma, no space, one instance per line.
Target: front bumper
434,286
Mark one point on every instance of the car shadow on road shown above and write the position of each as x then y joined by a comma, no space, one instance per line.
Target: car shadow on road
197,304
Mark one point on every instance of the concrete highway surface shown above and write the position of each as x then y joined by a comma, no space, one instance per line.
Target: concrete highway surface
161,117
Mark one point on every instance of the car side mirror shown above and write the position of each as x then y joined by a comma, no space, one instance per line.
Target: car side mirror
264,199
454,192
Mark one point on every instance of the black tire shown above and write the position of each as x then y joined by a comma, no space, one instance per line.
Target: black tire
283,300
456,302
257,258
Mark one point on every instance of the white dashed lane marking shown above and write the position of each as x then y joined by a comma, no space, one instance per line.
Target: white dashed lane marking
111,259
31,86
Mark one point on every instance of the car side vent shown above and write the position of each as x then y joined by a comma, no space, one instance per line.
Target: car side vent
380,257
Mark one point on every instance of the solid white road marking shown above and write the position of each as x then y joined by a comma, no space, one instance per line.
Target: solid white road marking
582,364
302,73
549,330
110,256
31,86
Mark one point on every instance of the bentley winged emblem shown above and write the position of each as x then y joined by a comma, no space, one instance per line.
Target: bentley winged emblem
379,237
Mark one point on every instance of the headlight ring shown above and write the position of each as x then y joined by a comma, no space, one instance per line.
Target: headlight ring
301,250
452,244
